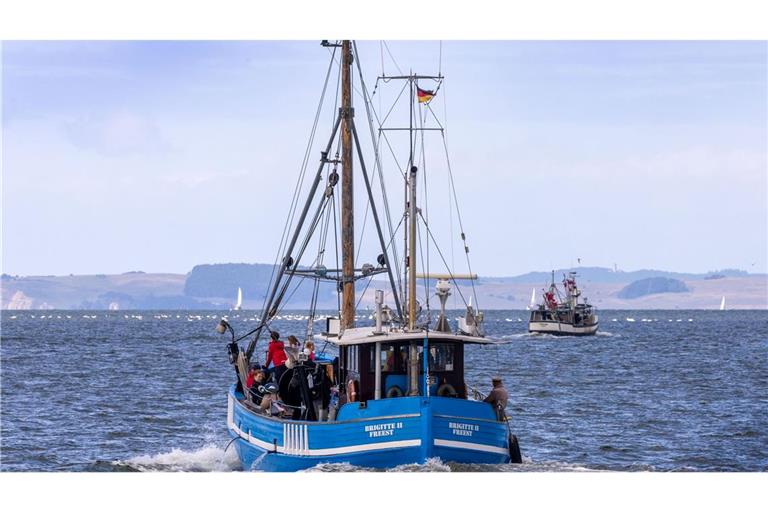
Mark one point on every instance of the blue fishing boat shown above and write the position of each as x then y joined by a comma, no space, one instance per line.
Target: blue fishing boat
384,394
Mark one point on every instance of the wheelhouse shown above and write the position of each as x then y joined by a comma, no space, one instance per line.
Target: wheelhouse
391,364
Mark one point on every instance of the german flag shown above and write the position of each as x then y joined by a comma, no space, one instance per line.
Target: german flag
424,95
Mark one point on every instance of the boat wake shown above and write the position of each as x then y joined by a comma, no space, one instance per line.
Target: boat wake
548,336
213,459
207,458
435,465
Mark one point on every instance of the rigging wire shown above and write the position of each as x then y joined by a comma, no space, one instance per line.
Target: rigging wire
322,239
439,252
392,57
458,215
426,279
299,183
367,101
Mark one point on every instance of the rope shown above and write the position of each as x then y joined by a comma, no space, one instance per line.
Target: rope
450,272
391,57
300,181
458,214
367,100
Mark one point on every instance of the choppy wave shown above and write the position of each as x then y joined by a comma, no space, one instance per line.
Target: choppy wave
169,414
207,458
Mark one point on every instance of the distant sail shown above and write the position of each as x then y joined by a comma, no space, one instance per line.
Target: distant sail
239,299
532,305
722,304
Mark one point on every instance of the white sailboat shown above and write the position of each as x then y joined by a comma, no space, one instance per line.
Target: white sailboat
722,304
532,304
239,304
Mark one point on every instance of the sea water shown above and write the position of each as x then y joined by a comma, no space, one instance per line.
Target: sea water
146,391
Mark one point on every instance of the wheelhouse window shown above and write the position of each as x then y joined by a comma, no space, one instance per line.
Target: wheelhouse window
351,363
441,357
394,357
388,358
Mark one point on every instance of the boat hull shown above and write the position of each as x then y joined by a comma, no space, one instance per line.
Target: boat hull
562,328
379,434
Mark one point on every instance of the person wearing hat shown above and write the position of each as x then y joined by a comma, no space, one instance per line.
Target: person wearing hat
269,404
498,397
276,355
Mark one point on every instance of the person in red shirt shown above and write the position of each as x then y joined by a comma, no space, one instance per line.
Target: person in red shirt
276,355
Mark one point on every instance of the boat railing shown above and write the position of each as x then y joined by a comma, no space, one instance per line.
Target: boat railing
477,395
257,407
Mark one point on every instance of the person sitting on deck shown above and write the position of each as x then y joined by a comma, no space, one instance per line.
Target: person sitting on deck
276,355
498,397
255,380
270,403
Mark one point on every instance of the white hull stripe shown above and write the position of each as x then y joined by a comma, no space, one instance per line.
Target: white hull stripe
555,327
471,446
296,440
365,447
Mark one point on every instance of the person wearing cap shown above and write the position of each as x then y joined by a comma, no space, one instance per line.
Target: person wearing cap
498,397
269,404
276,355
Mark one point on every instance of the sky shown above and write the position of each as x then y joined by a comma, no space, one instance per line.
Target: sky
158,156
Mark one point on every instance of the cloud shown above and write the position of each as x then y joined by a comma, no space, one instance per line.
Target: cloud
119,133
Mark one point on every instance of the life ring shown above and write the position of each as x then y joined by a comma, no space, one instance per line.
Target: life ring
394,392
514,450
446,389
352,390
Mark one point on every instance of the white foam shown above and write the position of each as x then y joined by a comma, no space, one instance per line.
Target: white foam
335,467
431,465
207,458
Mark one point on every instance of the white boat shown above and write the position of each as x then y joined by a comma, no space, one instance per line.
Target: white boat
239,304
722,304
567,317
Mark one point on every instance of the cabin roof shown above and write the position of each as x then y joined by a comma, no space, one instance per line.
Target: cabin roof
360,335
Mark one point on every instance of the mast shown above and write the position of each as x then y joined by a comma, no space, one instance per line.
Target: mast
347,202
411,202
412,249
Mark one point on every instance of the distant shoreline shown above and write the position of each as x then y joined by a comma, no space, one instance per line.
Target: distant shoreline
214,288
